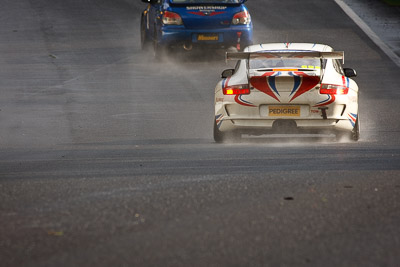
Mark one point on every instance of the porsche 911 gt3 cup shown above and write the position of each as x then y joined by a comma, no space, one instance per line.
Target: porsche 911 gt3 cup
189,23
286,88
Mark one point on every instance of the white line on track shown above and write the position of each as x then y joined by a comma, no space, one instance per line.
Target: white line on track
371,34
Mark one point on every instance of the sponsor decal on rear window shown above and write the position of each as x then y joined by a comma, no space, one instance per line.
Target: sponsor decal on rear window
310,67
206,2
208,8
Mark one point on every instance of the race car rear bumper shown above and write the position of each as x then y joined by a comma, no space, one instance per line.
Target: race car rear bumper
223,37
262,125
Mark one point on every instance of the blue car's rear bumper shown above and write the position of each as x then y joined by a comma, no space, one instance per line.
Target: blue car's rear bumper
223,37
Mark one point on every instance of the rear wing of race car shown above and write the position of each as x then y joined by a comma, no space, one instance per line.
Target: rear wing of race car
284,54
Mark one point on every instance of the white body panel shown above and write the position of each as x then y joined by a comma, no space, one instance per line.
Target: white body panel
282,93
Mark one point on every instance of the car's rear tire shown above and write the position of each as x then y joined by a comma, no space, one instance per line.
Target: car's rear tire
144,38
354,135
159,50
224,137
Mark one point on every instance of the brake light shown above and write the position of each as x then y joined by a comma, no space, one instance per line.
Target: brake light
241,18
333,89
171,18
242,89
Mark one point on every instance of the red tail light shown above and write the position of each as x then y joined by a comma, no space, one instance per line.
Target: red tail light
171,18
241,18
333,89
242,89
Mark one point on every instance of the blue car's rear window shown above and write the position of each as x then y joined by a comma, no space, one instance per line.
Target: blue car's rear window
206,1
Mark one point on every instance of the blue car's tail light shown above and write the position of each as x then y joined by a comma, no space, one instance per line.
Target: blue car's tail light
241,18
171,18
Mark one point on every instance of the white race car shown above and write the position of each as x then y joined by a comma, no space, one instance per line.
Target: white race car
286,88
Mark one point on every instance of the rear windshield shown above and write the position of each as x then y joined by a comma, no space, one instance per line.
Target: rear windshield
285,63
206,1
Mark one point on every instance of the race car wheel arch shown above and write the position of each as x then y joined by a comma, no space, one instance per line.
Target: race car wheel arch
223,137
353,135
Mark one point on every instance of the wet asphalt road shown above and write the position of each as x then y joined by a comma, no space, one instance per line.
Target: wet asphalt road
107,157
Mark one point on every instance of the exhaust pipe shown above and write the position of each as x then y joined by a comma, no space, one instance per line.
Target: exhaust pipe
188,46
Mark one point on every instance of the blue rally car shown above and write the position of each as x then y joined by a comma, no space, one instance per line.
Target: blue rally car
190,23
